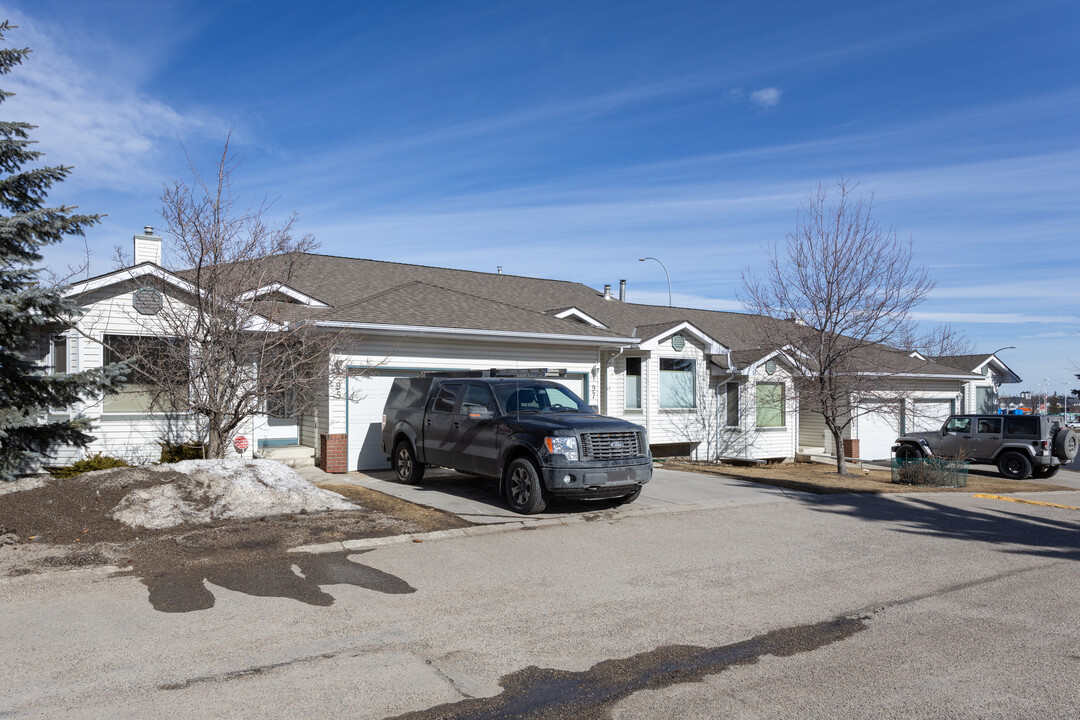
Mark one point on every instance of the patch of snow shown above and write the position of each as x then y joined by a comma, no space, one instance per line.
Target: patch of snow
209,490
26,483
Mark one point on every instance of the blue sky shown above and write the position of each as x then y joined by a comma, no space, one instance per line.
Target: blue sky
566,140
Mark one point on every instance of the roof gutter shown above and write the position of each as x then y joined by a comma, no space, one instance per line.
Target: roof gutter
490,335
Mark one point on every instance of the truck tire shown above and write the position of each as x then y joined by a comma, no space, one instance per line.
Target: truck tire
907,453
407,469
629,498
523,488
1046,472
1066,444
1014,466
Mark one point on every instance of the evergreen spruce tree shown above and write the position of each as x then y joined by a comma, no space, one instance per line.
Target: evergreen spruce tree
29,309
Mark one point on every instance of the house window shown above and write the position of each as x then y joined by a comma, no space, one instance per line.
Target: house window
677,384
770,405
157,356
633,383
732,396
59,355
984,400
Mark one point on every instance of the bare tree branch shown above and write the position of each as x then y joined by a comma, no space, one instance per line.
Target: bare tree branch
840,291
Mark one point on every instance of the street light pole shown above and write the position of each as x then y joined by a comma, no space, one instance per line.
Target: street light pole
665,275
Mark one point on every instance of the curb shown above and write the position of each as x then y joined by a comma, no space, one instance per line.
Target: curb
495,528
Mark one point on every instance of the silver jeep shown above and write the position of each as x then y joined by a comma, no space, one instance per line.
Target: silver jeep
1020,445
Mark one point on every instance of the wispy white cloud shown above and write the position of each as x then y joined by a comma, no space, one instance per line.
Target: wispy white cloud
766,97
103,124
997,318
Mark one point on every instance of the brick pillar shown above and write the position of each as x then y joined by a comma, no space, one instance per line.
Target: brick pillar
334,453
851,448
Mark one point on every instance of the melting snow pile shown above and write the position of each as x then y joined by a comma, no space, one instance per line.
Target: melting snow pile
202,491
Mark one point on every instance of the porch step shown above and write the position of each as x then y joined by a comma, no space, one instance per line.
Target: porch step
292,455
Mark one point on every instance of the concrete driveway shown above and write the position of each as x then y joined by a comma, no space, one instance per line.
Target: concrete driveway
477,500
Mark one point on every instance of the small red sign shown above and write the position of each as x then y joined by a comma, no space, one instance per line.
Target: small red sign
240,443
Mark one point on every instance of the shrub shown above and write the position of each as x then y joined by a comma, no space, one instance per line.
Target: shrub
89,464
171,453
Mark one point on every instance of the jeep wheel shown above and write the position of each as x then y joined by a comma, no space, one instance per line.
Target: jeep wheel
906,454
629,498
1066,444
523,488
407,469
1046,472
1014,466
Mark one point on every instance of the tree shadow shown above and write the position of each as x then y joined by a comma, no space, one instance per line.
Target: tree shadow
1015,532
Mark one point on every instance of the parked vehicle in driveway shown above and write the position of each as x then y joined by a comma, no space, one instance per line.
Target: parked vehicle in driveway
536,437
1020,445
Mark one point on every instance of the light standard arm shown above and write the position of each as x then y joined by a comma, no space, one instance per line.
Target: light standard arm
665,275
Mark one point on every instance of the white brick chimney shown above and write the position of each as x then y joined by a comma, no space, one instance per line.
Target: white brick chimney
147,247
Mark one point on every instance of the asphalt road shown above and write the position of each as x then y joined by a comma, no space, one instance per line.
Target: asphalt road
796,606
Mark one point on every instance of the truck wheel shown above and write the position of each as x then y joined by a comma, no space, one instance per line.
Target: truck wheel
524,490
906,454
1066,444
629,498
1046,472
1014,466
407,469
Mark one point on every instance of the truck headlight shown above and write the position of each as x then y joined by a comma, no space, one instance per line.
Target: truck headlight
562,446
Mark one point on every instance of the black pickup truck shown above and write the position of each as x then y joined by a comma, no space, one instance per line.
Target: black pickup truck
534,436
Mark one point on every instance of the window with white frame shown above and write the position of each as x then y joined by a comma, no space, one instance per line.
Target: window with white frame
731,393
147,357
770,405
678,384
633,383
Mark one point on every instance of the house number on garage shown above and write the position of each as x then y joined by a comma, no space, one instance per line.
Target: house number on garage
678,342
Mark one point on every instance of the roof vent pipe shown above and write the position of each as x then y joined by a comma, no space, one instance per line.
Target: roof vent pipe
500,269
607,293
622,291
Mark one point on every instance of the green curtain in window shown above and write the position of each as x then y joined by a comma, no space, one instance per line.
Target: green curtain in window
770,405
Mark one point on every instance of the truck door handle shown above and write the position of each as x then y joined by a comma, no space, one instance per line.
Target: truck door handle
967,437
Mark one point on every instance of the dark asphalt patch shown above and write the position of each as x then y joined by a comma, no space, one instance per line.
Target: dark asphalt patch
183,589
541,693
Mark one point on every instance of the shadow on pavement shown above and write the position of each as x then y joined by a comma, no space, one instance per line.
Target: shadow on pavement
1046,537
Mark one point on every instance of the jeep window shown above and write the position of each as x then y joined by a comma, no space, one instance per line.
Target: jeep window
447,398
989,426
958,424
477,397
1022,426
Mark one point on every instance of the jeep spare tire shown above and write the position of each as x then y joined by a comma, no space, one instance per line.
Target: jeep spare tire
1066,443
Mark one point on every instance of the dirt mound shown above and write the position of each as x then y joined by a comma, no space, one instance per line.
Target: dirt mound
202,491
116,504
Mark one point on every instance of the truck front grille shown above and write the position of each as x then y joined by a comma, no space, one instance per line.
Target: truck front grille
610,445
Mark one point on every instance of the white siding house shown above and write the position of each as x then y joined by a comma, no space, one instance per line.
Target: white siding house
695,379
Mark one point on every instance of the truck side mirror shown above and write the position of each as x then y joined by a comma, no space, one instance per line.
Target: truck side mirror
944,431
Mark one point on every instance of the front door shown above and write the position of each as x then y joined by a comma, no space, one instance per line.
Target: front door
439,422
957,440
476,447
987,437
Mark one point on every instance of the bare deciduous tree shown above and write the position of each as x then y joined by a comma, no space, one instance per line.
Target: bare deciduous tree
230,348
841,292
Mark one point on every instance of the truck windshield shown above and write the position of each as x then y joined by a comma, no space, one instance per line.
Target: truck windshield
535,398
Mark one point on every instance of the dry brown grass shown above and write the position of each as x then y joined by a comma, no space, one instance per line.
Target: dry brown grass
819,478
